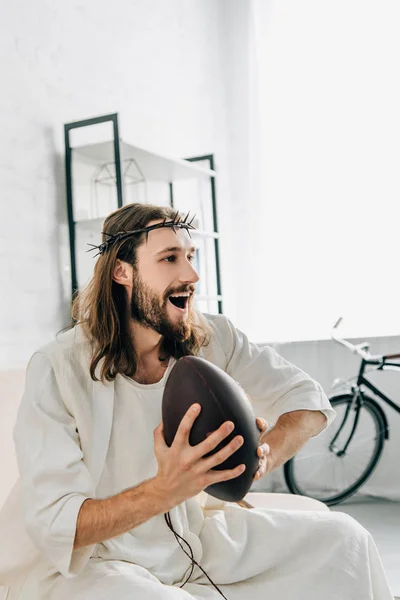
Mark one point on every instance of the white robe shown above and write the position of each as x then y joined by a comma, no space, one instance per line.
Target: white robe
69,439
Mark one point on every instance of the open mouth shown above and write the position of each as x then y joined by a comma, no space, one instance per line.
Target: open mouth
179,301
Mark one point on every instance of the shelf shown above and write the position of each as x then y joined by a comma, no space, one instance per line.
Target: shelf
155,167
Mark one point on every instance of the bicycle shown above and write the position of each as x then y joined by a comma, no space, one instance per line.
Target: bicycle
334,465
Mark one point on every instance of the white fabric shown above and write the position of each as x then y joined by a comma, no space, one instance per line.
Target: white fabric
152,545
67,449
284,501
258,554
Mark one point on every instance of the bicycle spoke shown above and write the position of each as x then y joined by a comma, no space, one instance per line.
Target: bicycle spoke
317,468
326,474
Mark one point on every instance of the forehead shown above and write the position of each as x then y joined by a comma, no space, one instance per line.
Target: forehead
158,239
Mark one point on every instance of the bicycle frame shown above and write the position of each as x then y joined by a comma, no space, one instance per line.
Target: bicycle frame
381,363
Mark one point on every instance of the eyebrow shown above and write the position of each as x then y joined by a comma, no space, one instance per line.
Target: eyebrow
175,249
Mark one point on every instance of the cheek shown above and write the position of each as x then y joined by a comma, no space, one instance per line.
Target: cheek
164,280
154,278
158,278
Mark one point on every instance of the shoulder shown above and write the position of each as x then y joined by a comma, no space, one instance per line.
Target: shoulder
220,326
59,371
71,346
222,339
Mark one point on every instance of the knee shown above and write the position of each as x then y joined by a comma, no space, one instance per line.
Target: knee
346,528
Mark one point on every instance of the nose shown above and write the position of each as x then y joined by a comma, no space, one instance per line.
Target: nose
189,274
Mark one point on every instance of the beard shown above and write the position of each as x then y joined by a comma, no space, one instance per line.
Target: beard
150,311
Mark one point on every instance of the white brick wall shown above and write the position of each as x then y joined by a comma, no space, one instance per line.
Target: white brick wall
156,63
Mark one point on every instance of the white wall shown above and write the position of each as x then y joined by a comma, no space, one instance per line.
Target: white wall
156,63
329,132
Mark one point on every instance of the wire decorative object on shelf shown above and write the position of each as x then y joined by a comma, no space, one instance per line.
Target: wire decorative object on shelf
105,176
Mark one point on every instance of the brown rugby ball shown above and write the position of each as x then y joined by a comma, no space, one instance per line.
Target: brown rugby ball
195,380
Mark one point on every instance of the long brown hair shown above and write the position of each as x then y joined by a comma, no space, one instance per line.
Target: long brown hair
101,307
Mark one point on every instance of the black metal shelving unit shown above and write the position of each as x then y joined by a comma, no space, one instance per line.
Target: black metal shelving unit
116,143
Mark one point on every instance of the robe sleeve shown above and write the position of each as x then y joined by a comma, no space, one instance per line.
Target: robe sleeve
54,479
274,385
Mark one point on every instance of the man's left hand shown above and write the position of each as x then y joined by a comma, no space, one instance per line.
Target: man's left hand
262,450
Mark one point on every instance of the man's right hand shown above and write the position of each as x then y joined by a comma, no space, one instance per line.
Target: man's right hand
182,470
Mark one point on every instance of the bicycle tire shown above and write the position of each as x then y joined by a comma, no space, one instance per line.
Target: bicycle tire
368,404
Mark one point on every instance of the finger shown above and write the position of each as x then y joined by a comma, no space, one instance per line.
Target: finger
183,431
263,450
262,469
258,475
158,430
223,454
217,476
213,439
262,424
159,439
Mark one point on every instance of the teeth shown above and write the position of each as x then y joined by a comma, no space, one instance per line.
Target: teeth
186,295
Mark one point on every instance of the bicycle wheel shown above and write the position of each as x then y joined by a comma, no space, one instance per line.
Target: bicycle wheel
327,470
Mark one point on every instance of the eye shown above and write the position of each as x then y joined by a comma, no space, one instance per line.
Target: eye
171,258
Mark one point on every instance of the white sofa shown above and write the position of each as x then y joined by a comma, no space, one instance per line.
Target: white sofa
11,389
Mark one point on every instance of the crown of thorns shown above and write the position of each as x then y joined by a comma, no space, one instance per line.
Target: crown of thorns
177,222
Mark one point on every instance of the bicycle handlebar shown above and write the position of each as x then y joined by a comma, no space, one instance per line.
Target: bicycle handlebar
360,349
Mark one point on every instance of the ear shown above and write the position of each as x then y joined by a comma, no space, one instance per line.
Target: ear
122,273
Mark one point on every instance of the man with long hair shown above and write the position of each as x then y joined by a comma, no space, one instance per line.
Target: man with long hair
97,478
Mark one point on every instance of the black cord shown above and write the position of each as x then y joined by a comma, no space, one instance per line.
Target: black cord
167,518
